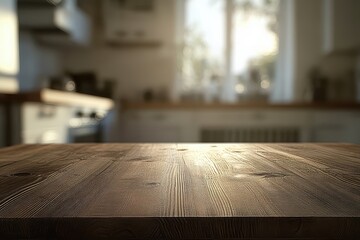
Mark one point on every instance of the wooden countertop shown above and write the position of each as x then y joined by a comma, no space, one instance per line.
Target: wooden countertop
50,96
192,191
234,106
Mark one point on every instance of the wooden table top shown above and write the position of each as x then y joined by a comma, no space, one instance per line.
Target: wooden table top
202,191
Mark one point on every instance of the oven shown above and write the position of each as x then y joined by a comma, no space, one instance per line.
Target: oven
86,126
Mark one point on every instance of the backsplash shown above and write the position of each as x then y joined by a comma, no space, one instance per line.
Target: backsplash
36,62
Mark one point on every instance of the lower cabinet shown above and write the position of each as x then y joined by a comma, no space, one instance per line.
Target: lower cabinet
41,123
354,128
158,126
240,126
335,126
38,123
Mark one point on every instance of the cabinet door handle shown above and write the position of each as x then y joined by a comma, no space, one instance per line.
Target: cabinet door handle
47,111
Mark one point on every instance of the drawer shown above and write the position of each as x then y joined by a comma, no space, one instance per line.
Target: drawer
252,118
163,117
44,136
330,119
40,116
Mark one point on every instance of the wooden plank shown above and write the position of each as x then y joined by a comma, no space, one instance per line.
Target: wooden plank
198,191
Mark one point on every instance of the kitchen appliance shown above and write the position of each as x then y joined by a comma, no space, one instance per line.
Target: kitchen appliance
64,83
318,85
86,82
85,126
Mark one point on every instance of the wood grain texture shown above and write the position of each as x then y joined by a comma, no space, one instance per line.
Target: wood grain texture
181,191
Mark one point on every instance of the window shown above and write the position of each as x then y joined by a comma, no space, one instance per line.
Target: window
229,49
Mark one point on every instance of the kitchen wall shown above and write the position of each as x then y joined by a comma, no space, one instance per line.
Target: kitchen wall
36,62
302,47
134,68
311,51
9,46
308,47
283,88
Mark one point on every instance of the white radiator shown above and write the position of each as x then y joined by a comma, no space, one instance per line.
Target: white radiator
268,134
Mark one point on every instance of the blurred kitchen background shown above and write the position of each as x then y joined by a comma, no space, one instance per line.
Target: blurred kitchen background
76,71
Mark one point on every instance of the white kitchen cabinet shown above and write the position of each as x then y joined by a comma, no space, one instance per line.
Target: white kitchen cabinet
254,125
159,126
152,133
39,123
61,24
353,128
131,21
330,126
258,125
336,126
258,117
341,21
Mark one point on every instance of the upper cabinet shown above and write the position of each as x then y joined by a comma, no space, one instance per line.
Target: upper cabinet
131,21
341,26
59,22
9,47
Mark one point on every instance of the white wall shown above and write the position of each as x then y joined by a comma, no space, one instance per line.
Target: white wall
308,27
134,68
9,47
36,62
346,19
300,48
302,44
283,88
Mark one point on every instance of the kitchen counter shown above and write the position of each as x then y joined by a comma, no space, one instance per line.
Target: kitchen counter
240,105
49,96
8,84
192,191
